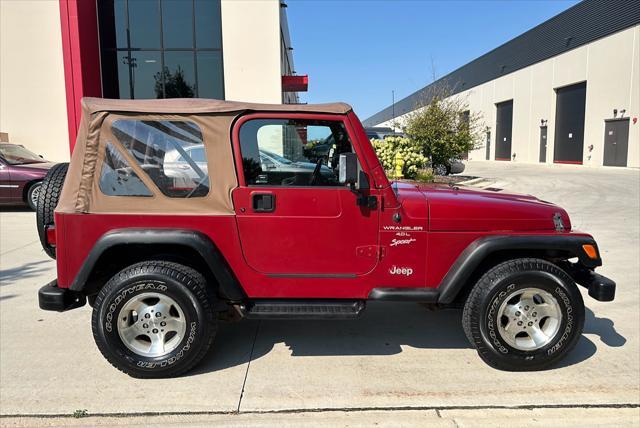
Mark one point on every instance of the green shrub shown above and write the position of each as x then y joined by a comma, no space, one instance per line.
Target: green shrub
425,175
444,127
411,155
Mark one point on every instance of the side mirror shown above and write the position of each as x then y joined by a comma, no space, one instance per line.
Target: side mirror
348,169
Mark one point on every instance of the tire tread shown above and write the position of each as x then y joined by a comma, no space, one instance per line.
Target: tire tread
191,279
480,294
47,202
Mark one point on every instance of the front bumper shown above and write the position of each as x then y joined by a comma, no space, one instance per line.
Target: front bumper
600,287
52,298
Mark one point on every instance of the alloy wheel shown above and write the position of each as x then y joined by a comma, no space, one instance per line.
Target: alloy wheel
529,319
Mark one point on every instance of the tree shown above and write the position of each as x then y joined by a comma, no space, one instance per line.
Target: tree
175,85
444,128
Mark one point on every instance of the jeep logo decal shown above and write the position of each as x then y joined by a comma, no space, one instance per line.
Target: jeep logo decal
406,271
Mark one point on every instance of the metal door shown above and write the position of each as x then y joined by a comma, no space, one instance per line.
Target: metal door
616,142
543,144
504,123
488,145
569,132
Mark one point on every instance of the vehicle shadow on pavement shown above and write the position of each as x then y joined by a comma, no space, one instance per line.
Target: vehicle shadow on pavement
20,273
15,209
383,329
585,348
604,328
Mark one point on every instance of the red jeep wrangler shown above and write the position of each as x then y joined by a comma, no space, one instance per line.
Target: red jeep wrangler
175,214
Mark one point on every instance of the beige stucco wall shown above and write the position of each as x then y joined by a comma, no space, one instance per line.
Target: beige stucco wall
32,93
251,50
611,68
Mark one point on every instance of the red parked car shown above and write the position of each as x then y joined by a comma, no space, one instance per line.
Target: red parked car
21,174
162,261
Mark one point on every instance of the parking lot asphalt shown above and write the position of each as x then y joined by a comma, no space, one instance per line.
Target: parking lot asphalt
395,357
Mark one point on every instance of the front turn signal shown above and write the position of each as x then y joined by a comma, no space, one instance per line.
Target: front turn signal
590,250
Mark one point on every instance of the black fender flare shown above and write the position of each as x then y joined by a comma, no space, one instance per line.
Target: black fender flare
472,256
229,286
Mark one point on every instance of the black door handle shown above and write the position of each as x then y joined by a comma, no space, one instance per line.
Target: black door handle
263,202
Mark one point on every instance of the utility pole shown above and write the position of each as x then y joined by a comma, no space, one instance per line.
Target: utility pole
393,108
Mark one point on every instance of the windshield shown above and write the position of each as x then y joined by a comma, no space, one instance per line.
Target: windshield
17,155
276,157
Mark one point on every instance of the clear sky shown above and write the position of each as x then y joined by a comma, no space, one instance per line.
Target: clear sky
358,51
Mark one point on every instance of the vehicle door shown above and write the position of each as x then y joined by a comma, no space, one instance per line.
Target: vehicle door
294,217
7,187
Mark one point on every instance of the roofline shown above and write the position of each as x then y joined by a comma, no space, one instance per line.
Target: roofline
200,105
581,24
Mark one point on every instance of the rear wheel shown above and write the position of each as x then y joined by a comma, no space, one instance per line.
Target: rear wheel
33,194
524,314
48,196
154,319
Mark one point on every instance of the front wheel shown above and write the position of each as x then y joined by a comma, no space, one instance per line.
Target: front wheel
524,314
154,319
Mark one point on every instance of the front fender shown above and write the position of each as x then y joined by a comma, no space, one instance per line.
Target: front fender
472,256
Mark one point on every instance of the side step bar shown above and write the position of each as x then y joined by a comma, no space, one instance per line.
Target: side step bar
303,309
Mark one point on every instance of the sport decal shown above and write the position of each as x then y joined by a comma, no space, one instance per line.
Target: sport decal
396,242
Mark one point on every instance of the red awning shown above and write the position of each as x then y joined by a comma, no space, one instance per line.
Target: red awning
295,83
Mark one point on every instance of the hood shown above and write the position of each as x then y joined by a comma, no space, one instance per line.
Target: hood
38,165
465,210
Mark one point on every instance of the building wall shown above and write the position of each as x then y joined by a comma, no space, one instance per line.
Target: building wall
34,99
611,68
32,90
287,67
251,49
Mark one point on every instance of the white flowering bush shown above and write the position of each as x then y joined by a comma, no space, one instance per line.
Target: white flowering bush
410,154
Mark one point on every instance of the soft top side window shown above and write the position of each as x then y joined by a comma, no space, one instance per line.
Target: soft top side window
117,178
292,152
170,152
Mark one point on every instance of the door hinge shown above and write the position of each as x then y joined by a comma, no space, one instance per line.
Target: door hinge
370,251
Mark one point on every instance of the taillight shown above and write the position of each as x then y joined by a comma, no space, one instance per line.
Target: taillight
51,235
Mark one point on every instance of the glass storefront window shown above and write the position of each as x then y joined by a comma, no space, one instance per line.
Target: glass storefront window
145,74
207,35
177,24
210,64
179,74
144,23
161,48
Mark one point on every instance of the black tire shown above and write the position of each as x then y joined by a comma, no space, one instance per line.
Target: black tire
186,287
33,195
481,322
47,201
440,170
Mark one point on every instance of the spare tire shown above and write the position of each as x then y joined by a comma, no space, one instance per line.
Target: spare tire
47,202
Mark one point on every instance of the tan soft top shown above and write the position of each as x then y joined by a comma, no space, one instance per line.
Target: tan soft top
199,105
81,193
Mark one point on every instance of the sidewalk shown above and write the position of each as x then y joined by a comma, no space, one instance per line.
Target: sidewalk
535,417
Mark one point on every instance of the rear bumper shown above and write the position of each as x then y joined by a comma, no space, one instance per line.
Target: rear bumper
600,287
52,298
